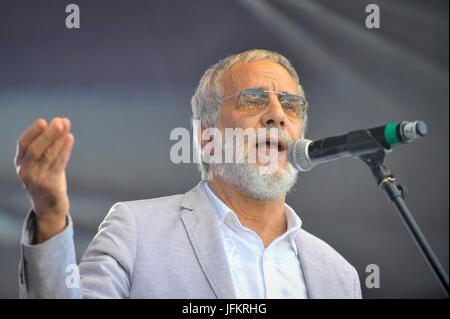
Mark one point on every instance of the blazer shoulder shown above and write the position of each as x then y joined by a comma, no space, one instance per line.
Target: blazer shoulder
165,204
164,207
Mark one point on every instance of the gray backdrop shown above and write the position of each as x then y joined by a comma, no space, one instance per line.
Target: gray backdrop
125,79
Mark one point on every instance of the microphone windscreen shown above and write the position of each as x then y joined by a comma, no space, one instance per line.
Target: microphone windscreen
297,155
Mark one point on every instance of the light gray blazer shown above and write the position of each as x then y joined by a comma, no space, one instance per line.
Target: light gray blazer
167,247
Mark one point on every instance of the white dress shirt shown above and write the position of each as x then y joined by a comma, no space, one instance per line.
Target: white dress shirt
257,272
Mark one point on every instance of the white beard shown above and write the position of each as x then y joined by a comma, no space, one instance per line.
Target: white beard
258,185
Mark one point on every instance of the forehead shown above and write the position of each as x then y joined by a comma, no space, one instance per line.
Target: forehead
264,74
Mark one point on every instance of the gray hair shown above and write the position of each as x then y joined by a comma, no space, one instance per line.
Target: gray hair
207,100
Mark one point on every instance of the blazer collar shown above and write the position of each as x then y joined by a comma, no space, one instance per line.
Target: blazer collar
203,232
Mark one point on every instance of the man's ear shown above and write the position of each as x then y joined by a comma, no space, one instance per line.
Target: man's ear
203,142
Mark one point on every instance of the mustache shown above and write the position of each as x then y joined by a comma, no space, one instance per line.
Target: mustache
237,143
260,135
273,134
285,137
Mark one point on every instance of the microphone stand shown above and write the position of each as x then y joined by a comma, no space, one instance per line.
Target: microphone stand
396,193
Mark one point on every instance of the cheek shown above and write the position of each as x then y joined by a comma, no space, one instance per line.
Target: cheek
234,119
229,118
299,130
294,129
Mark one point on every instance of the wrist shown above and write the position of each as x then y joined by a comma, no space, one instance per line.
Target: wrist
49,226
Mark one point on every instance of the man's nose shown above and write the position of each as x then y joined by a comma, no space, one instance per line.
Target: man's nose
274,114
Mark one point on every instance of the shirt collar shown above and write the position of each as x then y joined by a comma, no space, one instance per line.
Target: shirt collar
221,210
293,224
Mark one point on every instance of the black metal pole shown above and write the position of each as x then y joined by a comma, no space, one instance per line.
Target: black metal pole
396,194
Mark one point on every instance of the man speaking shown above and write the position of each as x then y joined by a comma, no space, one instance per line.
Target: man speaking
232,236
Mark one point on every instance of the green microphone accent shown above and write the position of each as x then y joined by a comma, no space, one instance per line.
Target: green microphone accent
390,134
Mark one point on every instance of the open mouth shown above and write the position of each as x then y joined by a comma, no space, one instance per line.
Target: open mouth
271,145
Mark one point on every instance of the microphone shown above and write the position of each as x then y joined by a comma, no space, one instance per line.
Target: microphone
305,154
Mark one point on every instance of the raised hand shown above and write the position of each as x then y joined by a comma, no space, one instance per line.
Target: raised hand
42,155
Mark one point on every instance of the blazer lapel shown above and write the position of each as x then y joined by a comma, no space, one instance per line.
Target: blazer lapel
315,273
203,231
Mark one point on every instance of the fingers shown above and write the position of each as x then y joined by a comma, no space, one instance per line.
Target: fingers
52,151
61,161
37,148
27,137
